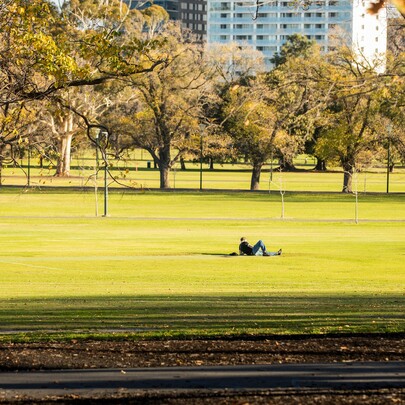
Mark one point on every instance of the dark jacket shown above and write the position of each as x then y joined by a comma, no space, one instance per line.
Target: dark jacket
245,248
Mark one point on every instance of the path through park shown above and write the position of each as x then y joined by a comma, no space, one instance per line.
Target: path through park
349,376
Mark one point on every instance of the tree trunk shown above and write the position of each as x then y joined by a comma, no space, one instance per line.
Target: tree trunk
320,164
164,166
63,168
182,164
1,167
211,163
286,165
348,167
255,179
164,176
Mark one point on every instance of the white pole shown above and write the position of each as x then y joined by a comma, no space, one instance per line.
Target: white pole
95,194
356,210
282,198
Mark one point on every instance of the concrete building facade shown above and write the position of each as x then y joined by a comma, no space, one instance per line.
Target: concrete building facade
193,15
266,28
171,6
325,21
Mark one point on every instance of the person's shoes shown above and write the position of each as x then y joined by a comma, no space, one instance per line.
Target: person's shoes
266,254
279,252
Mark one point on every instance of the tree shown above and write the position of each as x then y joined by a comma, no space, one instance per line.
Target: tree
294,54
396,35
15,125
392,106
271,115
246,116
296,45
268,116
353,115
163,107
43,50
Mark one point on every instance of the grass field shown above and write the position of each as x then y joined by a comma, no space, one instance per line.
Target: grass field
158,264
226,177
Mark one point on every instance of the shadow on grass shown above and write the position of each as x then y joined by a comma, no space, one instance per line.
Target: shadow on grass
208,315
219,254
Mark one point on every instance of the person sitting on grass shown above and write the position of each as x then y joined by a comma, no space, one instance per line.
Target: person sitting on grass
259,249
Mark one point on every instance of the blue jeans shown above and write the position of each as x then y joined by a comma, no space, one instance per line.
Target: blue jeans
260,248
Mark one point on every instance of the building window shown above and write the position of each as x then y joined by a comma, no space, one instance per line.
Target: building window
266,48
289,26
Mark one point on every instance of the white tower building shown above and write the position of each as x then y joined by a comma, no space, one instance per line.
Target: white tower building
266,28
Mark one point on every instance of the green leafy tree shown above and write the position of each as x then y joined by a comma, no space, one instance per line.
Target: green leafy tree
297,45
43,50
353,116
163,110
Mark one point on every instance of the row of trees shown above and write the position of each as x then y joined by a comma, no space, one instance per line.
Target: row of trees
68,73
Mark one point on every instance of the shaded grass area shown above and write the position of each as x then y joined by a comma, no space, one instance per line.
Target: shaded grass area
205,315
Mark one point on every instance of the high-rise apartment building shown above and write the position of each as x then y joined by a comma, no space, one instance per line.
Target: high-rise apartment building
193,15
171,6
266,28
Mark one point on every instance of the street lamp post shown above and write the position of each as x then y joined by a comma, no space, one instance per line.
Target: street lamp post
202,127
388,157
105,177
29,163
105,169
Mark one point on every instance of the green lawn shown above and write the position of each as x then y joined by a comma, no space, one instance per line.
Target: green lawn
158,265
227,177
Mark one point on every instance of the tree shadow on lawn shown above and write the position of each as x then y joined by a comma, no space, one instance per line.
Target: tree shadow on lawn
216,314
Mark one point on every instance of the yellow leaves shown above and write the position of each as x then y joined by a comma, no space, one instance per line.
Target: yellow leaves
51,59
